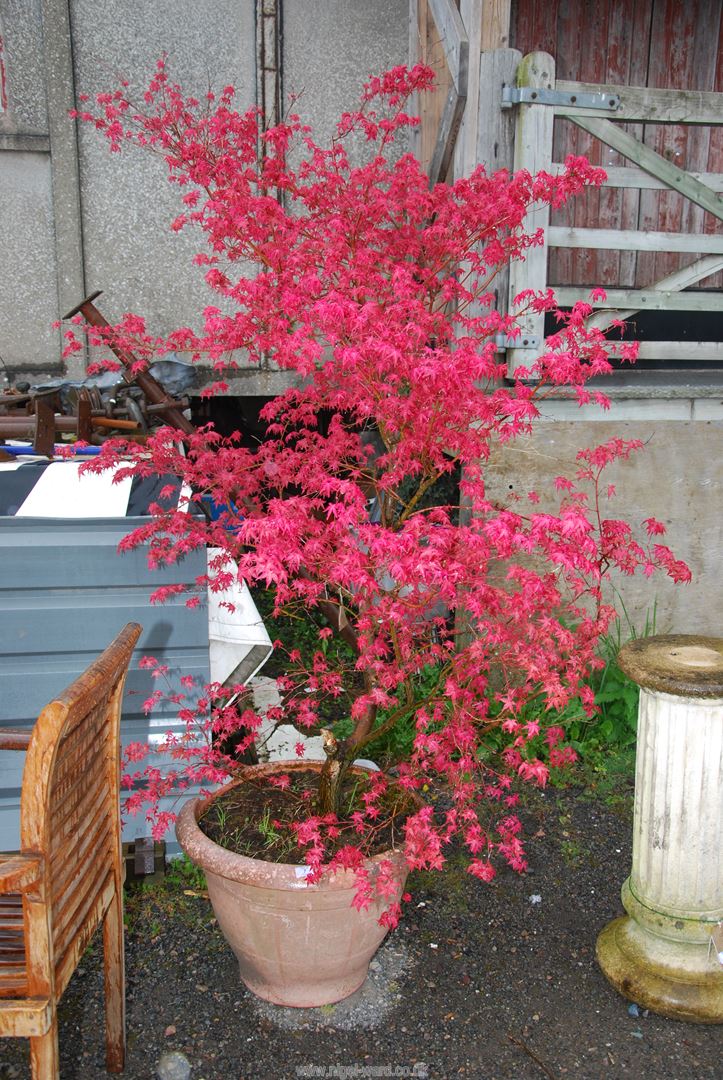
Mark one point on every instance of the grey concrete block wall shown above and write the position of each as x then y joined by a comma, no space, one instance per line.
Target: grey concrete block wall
127,204
21,27
676,478
113,233
28,284
331,47
27,261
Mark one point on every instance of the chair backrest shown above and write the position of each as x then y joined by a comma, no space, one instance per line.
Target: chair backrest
69,804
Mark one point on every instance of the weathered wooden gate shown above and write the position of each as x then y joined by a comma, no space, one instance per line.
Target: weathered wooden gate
599,110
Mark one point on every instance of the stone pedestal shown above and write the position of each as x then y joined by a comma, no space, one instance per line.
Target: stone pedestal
661,955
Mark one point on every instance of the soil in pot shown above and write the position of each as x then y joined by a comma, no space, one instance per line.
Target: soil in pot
256,818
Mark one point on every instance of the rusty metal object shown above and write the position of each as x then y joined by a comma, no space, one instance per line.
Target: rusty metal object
150,386
152,409
44,432
43,425
125,403
110,422
13,427
14,400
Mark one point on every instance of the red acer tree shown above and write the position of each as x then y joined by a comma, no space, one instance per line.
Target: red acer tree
368,285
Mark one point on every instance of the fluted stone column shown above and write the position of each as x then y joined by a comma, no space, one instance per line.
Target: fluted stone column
661,955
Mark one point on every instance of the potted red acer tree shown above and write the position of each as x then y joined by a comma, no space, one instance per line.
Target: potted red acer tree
365,504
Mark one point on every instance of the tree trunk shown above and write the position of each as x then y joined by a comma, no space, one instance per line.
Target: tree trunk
332,774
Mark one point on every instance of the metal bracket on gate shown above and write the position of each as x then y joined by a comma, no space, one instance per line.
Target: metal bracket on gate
535,95
521,341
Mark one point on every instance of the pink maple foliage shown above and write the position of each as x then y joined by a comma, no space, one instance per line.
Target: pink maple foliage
376,292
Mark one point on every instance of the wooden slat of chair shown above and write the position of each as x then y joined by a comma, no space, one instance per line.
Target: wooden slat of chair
68,877
13,980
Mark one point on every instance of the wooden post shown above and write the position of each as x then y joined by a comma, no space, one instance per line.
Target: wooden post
465,154
533,152
487,23
496,25
486,138
426,48
496,133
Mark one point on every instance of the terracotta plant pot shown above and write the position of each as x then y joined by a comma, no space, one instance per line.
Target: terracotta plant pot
297,944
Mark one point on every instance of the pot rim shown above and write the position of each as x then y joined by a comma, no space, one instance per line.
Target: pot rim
218,860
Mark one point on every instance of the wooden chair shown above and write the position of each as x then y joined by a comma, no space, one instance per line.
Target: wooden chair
68,877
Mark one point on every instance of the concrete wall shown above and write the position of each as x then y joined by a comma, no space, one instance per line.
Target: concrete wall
28,278
677,478
75,218
330,47
127,204
28,303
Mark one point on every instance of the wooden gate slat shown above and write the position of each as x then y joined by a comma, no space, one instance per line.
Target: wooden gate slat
565,138
645,299
682,278
634,240
632,177
533,146
587,265
645,104
653,163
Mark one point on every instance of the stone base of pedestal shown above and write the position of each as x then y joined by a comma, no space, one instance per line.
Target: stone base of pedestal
680,980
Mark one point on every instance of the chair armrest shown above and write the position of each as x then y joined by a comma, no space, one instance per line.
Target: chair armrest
15,738
19,872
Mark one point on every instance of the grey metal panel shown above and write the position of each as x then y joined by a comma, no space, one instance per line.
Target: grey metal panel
65,592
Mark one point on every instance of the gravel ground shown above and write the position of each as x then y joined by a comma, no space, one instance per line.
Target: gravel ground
493,982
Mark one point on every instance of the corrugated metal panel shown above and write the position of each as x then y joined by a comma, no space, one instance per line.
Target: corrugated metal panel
65,592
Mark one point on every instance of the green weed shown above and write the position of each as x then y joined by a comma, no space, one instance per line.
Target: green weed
148,904
181,873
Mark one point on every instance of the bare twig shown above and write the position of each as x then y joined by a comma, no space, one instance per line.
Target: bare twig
533,1055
